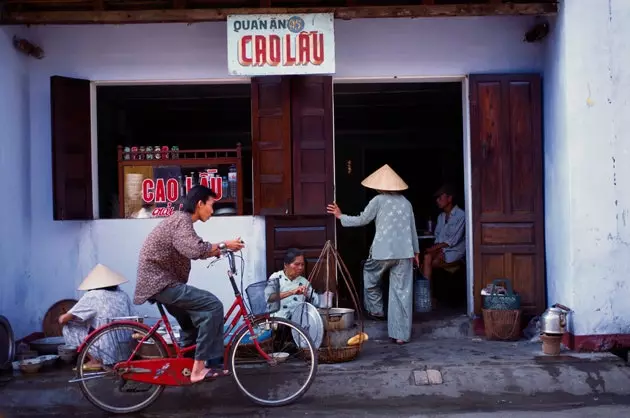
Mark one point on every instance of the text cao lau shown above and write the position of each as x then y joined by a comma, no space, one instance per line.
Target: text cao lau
303,48
160,191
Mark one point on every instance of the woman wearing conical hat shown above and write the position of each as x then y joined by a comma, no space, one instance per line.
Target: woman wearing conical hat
393,251
102,302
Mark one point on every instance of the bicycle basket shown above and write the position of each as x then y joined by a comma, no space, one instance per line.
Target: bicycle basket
264,297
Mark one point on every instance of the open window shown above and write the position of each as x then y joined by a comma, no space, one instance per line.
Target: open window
154,142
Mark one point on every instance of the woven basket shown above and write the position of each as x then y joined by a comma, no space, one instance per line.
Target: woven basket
504,325
329,355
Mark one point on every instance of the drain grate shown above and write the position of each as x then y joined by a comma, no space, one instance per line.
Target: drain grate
427,377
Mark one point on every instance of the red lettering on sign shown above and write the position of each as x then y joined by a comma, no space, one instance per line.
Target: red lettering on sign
275,51
304,48
260,50
289,59
172,190
147,190
188,184
160,191
243,47
317,48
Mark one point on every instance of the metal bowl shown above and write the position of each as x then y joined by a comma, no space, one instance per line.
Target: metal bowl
48,345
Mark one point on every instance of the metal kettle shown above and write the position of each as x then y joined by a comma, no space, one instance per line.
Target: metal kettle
554,320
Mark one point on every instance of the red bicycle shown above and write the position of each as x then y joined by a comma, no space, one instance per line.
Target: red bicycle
143,360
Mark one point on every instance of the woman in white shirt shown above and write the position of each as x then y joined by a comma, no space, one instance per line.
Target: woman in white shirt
294,287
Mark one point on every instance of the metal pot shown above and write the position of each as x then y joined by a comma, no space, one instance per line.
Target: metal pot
335,319
554,320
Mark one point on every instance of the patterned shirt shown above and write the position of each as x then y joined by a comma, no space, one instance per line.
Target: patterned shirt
165,256
288,304
99,306
396,237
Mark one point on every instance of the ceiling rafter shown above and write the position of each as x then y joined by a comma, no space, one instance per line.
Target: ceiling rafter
37,12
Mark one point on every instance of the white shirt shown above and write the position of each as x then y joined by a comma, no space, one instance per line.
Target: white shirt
453,233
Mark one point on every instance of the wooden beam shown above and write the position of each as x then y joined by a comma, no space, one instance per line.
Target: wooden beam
211,15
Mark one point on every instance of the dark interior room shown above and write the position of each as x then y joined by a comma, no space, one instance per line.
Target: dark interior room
416,128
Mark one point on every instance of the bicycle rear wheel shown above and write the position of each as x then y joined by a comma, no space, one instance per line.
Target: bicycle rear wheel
294,370
105,388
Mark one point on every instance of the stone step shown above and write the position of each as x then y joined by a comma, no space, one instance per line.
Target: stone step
427,326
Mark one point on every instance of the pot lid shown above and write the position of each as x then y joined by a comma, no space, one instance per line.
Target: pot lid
7,342
308,318
50,325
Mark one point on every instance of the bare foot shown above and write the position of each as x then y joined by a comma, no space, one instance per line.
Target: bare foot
93,364
200,372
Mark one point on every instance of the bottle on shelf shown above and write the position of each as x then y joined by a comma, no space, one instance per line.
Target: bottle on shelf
232,181
226,191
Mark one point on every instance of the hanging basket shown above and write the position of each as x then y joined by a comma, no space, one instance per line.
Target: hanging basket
328,275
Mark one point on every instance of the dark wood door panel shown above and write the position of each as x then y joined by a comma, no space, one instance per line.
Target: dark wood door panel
312,128
520,268
71,148
507,180
271,145
308,234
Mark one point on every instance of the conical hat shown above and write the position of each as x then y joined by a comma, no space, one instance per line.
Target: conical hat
100,277
385,179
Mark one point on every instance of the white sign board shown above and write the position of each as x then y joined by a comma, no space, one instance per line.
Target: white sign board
281,44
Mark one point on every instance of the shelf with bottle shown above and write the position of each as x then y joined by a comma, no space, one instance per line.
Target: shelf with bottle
159,186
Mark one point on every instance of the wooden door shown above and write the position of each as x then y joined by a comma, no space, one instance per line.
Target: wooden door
71,148
271,145
305,225
507,186
311,118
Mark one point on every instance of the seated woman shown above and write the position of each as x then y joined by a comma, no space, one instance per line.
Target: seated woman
103,302
294,288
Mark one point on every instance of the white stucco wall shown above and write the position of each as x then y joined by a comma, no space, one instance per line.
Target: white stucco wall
14,170
63,252
588,164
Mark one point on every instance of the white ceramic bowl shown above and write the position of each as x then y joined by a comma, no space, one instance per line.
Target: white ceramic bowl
31,365
280,356
49,360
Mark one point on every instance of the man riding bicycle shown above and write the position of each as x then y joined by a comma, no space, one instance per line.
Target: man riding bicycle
163,271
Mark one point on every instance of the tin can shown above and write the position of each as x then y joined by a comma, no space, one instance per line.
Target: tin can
134,153
175,151
126,153
141,154
156,150
165,153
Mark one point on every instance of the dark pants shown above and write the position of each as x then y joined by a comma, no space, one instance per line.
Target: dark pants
200,315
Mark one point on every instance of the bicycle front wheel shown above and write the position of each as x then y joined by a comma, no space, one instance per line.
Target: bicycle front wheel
283,380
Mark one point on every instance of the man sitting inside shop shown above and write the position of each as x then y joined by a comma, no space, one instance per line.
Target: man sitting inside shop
450,234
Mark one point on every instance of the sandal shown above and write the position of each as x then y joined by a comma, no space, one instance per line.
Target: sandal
213,374
399,342
87,368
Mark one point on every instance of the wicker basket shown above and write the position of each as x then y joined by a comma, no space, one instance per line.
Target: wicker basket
329,355
502,325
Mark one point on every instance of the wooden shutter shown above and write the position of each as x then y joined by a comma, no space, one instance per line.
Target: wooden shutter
311,110
271,145
507,185
71,148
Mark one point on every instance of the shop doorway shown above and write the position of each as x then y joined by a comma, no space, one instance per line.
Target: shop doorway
418,129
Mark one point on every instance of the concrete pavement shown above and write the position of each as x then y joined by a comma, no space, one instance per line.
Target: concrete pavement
445,375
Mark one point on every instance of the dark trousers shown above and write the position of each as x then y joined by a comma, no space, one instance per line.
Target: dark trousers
200,315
